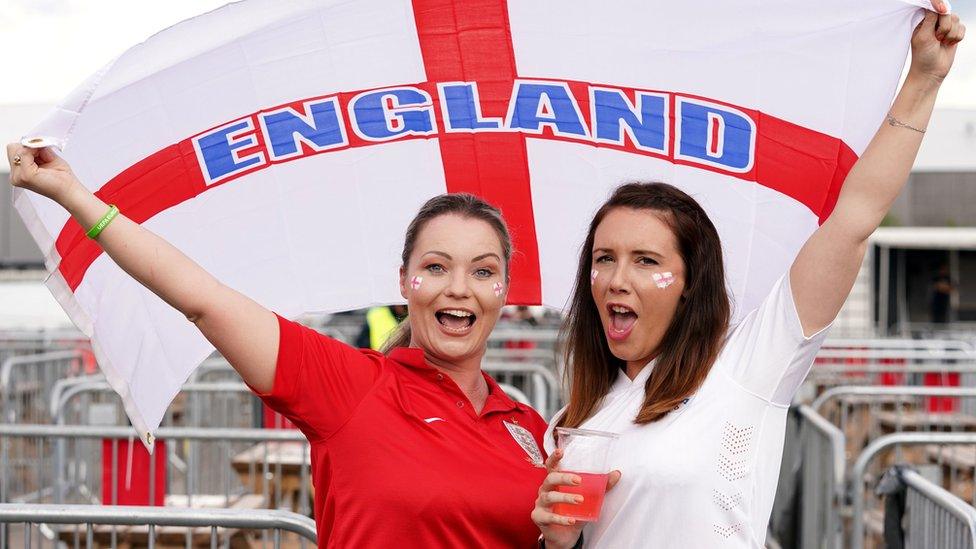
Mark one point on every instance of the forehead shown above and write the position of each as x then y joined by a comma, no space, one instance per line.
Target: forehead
626,229
461,237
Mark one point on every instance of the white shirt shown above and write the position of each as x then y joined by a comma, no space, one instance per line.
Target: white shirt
705,475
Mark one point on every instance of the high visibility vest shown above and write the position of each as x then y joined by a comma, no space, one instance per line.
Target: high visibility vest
381,324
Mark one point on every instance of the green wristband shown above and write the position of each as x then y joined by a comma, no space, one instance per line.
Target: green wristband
97,228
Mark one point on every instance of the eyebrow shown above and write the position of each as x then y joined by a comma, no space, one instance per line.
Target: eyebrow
635,252
448,257
445,255
485,256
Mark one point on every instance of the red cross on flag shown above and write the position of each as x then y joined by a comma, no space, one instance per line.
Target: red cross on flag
285,146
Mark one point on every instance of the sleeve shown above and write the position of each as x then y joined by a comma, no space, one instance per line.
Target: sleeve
319,381
767,353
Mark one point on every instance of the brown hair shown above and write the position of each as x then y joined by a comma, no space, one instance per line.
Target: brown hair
692,341
460,204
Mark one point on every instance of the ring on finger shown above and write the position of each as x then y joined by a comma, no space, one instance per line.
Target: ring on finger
17,160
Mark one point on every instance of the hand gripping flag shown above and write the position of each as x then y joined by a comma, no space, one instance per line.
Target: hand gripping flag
286,145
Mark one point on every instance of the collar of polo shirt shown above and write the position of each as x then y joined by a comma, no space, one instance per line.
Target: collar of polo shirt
498,400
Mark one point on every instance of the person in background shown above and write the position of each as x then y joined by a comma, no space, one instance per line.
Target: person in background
942,289
379,325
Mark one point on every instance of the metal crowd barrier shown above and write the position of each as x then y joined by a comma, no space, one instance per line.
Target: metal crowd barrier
272,463
535,380
157,520
26,382
821,481
24,343
936,518
857,479
898,343
230,403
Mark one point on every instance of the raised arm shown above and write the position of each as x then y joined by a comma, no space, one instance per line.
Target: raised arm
242,330
823,273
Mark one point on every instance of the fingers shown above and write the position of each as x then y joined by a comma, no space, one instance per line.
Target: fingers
943,26
954,31
553,460
49,158
613,479
557,478
541,518
21,161
940,6
547,499
927,26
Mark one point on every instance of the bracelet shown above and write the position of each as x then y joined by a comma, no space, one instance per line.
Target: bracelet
97,228
899,124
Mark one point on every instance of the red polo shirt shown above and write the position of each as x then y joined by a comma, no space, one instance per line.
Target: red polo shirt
399,456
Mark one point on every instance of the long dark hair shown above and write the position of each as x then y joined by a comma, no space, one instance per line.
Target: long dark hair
461,204
692,341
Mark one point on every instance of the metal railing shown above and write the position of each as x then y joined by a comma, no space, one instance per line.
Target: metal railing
274,471
535,380
936,518
26,383
821,482
90,516
857,479
887,392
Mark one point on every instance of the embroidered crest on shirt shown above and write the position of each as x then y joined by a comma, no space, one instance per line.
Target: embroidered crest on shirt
524,439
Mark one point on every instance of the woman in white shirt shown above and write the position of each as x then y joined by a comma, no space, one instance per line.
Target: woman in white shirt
701,407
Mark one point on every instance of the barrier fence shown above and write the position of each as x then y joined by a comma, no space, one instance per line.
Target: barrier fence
824,499
259,467
858,479
145,526
26,383
936,518
821,481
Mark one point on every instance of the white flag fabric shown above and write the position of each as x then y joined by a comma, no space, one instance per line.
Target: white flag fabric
285,146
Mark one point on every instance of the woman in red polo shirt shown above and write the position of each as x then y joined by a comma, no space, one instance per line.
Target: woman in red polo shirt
414,448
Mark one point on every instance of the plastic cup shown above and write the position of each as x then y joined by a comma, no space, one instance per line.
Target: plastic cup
585,453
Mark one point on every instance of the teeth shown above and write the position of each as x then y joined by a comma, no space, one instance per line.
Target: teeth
457,313
619,309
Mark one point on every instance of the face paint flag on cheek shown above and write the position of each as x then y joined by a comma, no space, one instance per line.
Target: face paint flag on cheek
593,274
415,282
498,287
663,280
328,145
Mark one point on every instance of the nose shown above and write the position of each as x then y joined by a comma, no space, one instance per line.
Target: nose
619,283
458,286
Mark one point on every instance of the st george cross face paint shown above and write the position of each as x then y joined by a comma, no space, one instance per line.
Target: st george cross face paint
498,288
663,280
415,282
593,275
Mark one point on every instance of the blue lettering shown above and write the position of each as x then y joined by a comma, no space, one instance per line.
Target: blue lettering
613,115
218,150
388,114
535,105
734,147
461,108
320,128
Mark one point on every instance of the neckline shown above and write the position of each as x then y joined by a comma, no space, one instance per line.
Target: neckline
623,383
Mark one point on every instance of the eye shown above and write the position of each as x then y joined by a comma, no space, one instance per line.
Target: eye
644,260
435,268
484,272
604,259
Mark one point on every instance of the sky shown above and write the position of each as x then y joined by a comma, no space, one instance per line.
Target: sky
63,41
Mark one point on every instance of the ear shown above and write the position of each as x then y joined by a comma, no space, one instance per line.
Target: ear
403,282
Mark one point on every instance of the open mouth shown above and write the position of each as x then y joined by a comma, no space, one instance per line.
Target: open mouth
455,320
622,320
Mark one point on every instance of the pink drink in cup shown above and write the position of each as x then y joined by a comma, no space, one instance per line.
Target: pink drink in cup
586,454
